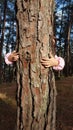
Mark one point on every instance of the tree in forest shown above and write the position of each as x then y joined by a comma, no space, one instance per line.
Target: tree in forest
2,36
36,97
7,37
64,32
68,30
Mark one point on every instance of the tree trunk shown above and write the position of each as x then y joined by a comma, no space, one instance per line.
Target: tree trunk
67,49
36,95
2,38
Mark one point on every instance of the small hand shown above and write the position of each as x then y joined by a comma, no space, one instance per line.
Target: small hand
13,56
49,62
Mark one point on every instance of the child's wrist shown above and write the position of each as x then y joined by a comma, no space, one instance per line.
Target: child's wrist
61,63
7,61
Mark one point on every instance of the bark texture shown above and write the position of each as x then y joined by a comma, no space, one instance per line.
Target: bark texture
36,85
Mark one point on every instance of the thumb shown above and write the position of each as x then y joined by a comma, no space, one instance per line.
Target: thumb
51,55
14,52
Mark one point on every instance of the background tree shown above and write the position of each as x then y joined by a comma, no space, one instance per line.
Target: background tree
2,36
64,27
7,37
36,85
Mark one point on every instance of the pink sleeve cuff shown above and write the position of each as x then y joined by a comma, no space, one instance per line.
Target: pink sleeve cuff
6,59
61,63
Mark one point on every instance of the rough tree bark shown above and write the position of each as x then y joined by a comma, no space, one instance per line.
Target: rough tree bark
36,85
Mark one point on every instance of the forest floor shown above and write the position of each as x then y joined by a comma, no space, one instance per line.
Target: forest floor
64,105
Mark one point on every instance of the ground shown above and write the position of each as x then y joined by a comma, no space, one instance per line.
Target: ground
8,106
64,105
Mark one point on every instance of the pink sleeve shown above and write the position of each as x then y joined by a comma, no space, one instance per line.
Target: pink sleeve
61,63
6,59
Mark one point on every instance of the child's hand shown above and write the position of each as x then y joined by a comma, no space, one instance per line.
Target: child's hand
13,56
49,62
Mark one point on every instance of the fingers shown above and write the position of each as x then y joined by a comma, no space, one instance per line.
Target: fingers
14,53
46,62
45,59
49,62
15,58
46,65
